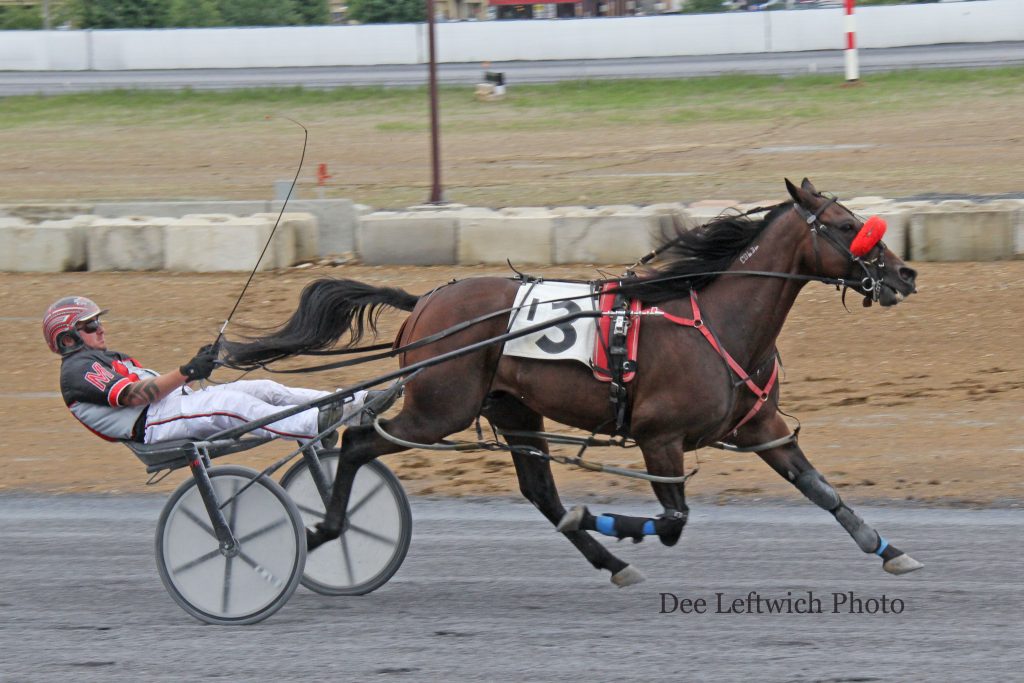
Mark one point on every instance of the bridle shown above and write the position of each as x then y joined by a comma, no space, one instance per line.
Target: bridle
871,283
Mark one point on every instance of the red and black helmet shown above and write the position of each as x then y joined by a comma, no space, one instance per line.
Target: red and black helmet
61,318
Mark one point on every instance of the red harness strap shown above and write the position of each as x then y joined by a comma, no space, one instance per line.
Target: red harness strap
698,323
600,362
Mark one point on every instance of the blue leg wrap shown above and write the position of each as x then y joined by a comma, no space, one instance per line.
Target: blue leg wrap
610,525
882,545
606,525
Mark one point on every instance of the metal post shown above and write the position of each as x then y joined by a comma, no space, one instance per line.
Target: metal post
852,68
435,133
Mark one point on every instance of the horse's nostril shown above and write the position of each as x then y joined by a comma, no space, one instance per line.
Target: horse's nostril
908,275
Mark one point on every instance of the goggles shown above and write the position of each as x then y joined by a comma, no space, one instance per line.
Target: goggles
90,327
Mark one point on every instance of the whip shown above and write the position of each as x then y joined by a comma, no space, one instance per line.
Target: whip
291,188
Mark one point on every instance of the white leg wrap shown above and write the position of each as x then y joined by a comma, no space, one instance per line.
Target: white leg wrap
866,537
817,490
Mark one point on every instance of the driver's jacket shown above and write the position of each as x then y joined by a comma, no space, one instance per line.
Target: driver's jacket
91,381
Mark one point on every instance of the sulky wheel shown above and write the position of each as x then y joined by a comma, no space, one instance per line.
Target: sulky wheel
240,587
378,529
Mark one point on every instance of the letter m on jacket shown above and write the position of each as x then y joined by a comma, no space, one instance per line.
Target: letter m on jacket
99,377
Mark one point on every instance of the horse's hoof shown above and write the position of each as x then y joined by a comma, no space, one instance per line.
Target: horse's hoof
901,564
318,536
628,576
313,539
671,524
571,520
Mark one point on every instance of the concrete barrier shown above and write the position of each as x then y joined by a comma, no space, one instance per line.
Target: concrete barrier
497,238
963,234
179,209
48,247
336,221
604,235
1018,207
430,235
408,237
128,243
304,229
38,212
221,242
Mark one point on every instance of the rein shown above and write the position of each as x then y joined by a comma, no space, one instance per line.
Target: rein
454,329
868,283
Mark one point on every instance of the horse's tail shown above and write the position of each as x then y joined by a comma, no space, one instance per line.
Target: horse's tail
327,309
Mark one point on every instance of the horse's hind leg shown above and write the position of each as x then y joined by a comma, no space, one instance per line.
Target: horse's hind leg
790,462
538,485
664,461
359,445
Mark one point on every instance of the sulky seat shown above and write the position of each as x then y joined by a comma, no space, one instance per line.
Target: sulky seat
170,455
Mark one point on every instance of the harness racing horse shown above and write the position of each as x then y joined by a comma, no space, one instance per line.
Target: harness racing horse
714,306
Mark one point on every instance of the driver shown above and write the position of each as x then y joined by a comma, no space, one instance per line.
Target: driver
119,400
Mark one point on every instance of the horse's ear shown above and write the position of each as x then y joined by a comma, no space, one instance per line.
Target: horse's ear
793,191
806,184
800,195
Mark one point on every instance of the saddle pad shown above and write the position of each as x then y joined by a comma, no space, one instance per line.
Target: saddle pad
604,327
539,302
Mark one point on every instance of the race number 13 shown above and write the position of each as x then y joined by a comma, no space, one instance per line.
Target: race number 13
550,341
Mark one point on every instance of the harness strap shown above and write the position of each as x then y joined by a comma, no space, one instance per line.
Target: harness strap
697,322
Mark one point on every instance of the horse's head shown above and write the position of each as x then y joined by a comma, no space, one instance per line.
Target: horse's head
841,246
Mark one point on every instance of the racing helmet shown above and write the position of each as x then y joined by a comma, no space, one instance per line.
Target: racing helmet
61,318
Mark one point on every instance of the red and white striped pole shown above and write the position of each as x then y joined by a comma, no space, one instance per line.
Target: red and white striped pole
852,68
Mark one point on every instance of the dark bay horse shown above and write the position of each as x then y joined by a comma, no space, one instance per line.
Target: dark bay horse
685,394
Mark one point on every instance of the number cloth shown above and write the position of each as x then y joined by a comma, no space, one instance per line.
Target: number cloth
543,301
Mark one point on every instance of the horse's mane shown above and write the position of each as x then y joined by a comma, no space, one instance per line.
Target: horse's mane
709,248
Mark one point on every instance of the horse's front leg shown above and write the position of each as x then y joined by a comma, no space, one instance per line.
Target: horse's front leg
790,462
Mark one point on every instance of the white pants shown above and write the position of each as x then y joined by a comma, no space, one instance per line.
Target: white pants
198,414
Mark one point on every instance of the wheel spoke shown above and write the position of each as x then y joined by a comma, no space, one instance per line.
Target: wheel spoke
259,532
196,562
353,509
199,521
372,534
233,514
263,572
311,511
346,559
225,597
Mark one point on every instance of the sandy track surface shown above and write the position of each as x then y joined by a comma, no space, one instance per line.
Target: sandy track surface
921,402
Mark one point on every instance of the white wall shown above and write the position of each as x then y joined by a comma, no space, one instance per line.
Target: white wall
497,41
44,50
955,22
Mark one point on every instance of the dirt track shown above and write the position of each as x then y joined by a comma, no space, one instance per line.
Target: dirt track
961,138
921,402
